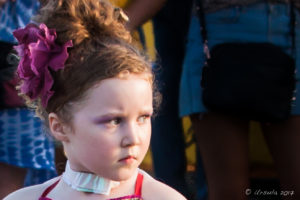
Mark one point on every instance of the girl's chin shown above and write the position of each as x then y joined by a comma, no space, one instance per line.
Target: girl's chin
124,174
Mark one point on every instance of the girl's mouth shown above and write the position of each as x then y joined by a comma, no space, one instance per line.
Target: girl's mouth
128,159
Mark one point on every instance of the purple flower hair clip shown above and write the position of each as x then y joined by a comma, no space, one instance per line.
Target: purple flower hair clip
39,52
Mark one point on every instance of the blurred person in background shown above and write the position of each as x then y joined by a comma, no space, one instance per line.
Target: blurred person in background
26,152
222,138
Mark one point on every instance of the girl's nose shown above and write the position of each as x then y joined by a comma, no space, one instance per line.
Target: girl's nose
130,135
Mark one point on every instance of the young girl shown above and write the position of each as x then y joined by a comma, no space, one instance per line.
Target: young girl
95,93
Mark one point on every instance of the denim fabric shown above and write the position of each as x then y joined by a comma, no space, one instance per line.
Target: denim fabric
261,22
214,5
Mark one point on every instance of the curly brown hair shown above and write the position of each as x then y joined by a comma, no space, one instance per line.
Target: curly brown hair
101,49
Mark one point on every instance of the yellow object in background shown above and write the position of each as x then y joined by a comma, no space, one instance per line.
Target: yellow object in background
190,150
120,3
258,150
149,39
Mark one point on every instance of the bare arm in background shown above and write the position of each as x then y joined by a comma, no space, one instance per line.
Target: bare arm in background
139,11
2,2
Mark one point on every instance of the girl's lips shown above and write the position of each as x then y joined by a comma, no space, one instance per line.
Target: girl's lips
128,159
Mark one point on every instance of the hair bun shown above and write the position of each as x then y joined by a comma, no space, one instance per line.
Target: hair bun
80,20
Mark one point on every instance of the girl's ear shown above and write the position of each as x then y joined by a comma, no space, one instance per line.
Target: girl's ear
58,128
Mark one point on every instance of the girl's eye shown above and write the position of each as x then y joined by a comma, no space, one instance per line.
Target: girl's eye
142,119
115,121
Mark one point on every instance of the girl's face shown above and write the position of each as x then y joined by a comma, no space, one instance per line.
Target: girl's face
111,129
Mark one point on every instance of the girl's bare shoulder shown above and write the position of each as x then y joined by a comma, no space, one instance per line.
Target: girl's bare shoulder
156,190
31,192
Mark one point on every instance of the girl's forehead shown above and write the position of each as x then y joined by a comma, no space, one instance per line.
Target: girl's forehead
111,85
127,75
119,93
125,81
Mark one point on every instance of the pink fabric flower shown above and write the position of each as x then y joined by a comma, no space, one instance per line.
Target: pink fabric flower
39,52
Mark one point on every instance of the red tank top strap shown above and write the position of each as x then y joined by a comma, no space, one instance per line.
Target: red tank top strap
48,189
137,191
139,184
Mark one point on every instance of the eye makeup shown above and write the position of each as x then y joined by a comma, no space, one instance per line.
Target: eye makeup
106,119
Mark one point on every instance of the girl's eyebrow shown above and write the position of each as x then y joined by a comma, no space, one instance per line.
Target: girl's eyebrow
106,117
147,111
110,115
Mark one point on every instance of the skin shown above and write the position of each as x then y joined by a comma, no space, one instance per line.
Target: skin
139,11
109,127
109,136
12,178
224,152
2,2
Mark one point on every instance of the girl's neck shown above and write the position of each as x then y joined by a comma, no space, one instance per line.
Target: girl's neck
87,182
122,189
